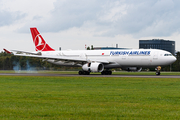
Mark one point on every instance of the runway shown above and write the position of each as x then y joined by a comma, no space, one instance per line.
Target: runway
93,75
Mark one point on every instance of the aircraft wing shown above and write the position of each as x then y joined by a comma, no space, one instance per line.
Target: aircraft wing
57,58
64,58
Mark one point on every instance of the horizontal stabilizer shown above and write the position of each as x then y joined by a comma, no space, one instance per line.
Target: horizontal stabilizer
30,53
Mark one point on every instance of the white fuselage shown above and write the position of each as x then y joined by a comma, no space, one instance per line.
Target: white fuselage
116,58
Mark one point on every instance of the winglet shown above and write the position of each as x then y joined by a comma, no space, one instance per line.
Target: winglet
7,51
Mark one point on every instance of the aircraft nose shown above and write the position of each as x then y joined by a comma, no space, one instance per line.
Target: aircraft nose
173,59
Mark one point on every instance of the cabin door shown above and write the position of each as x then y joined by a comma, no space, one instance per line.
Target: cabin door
155,57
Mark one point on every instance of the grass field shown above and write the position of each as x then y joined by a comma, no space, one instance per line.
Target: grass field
76,98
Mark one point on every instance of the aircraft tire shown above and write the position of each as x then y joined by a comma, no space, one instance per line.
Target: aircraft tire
87,73
80,72
102,73
106,73
158,73
84,72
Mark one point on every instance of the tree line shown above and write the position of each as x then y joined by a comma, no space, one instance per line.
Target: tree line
11,62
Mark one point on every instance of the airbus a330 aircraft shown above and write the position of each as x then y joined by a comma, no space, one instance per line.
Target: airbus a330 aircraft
98,60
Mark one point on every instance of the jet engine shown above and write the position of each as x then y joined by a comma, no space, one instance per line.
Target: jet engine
138,69
93,67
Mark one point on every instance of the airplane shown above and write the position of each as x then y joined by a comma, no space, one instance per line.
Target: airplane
98,60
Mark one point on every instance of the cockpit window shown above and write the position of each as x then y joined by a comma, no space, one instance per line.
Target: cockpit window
167,54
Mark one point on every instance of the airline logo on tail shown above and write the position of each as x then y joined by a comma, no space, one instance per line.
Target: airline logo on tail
39,42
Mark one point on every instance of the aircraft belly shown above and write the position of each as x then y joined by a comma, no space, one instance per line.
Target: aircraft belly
160,62
133,61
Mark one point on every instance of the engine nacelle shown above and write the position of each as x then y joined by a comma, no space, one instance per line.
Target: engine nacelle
93,67
138,69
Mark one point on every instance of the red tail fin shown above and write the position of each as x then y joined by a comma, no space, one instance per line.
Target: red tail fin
39,42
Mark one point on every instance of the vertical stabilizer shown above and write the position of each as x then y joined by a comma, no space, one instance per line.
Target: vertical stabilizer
39,42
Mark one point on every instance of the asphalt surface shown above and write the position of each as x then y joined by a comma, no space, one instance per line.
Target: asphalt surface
95,75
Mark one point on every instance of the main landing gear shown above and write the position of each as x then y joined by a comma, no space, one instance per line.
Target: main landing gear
84,72
158,70
106,72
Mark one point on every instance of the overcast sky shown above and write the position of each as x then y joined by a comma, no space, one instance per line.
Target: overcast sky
71,24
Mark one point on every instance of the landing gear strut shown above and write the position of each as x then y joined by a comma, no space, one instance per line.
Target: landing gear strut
106,72
158,70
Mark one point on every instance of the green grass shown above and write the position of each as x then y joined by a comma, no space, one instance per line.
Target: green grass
76,98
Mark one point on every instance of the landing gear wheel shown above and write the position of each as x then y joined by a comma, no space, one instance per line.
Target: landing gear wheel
158,73
84,72
80,72
107,72
102,73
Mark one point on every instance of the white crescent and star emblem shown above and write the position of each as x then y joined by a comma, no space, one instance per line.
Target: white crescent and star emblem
40,44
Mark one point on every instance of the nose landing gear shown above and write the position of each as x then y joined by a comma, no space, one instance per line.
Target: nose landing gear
158,70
